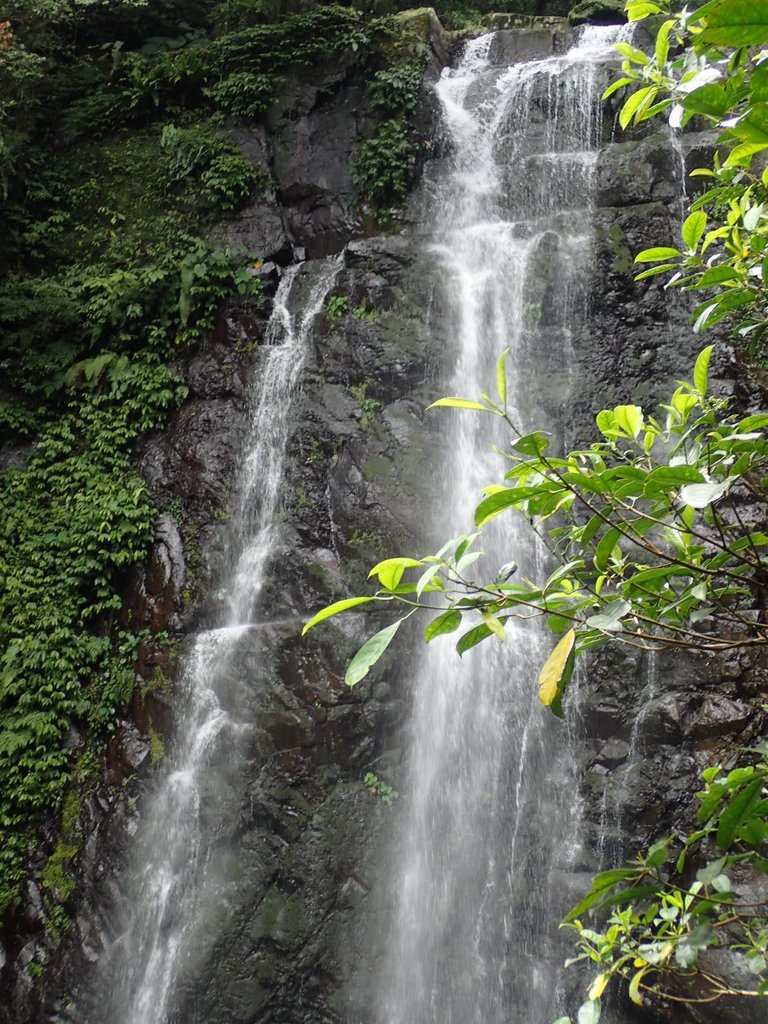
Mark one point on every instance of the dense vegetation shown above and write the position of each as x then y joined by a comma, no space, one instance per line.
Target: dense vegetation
115,161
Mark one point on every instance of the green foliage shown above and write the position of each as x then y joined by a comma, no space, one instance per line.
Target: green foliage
382,169
396,89
336,306
682,897
709,64
105,275
368,406
386,793
225,177
73,520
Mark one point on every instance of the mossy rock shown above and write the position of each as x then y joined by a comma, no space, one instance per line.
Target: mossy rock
598,12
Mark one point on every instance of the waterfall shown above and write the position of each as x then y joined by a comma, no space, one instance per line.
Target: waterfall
490,816
174,894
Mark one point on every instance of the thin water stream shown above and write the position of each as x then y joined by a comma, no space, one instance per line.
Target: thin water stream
173,897
490,816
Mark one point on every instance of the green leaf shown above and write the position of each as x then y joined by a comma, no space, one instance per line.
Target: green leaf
370,652
701,370
717,275
556,673
753,126
668,478
494,504
710,100
655,271
735,23
605,548
736,813
335,609
693,228
447,622
426,578
532,444
659,252
615,86
662,42
458,403
636,103
657,852
609,619
741,155
473,637
391,570
629,418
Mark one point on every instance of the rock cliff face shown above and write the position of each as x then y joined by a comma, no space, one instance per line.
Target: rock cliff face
302,920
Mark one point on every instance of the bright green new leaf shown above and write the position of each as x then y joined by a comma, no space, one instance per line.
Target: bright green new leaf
370,652
501,378
556,673
662,43
629,418
694,227
335,609
637,102
615,86
741,156
701,370
391,570
659,252
458,403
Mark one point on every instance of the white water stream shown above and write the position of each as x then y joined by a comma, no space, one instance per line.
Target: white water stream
174,894
490,817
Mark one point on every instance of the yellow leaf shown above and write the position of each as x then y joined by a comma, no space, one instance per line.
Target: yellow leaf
598,985
494,625
634,988
556,673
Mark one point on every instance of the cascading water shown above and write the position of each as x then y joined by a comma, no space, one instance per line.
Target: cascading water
176,891
490,815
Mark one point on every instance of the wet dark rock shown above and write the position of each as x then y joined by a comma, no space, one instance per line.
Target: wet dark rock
512,46
629,173
598,12
719,716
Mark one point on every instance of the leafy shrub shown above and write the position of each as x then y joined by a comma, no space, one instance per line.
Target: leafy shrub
244,93
383,166
396,89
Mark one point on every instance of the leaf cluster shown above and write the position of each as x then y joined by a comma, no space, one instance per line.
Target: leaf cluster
665,908
711,64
